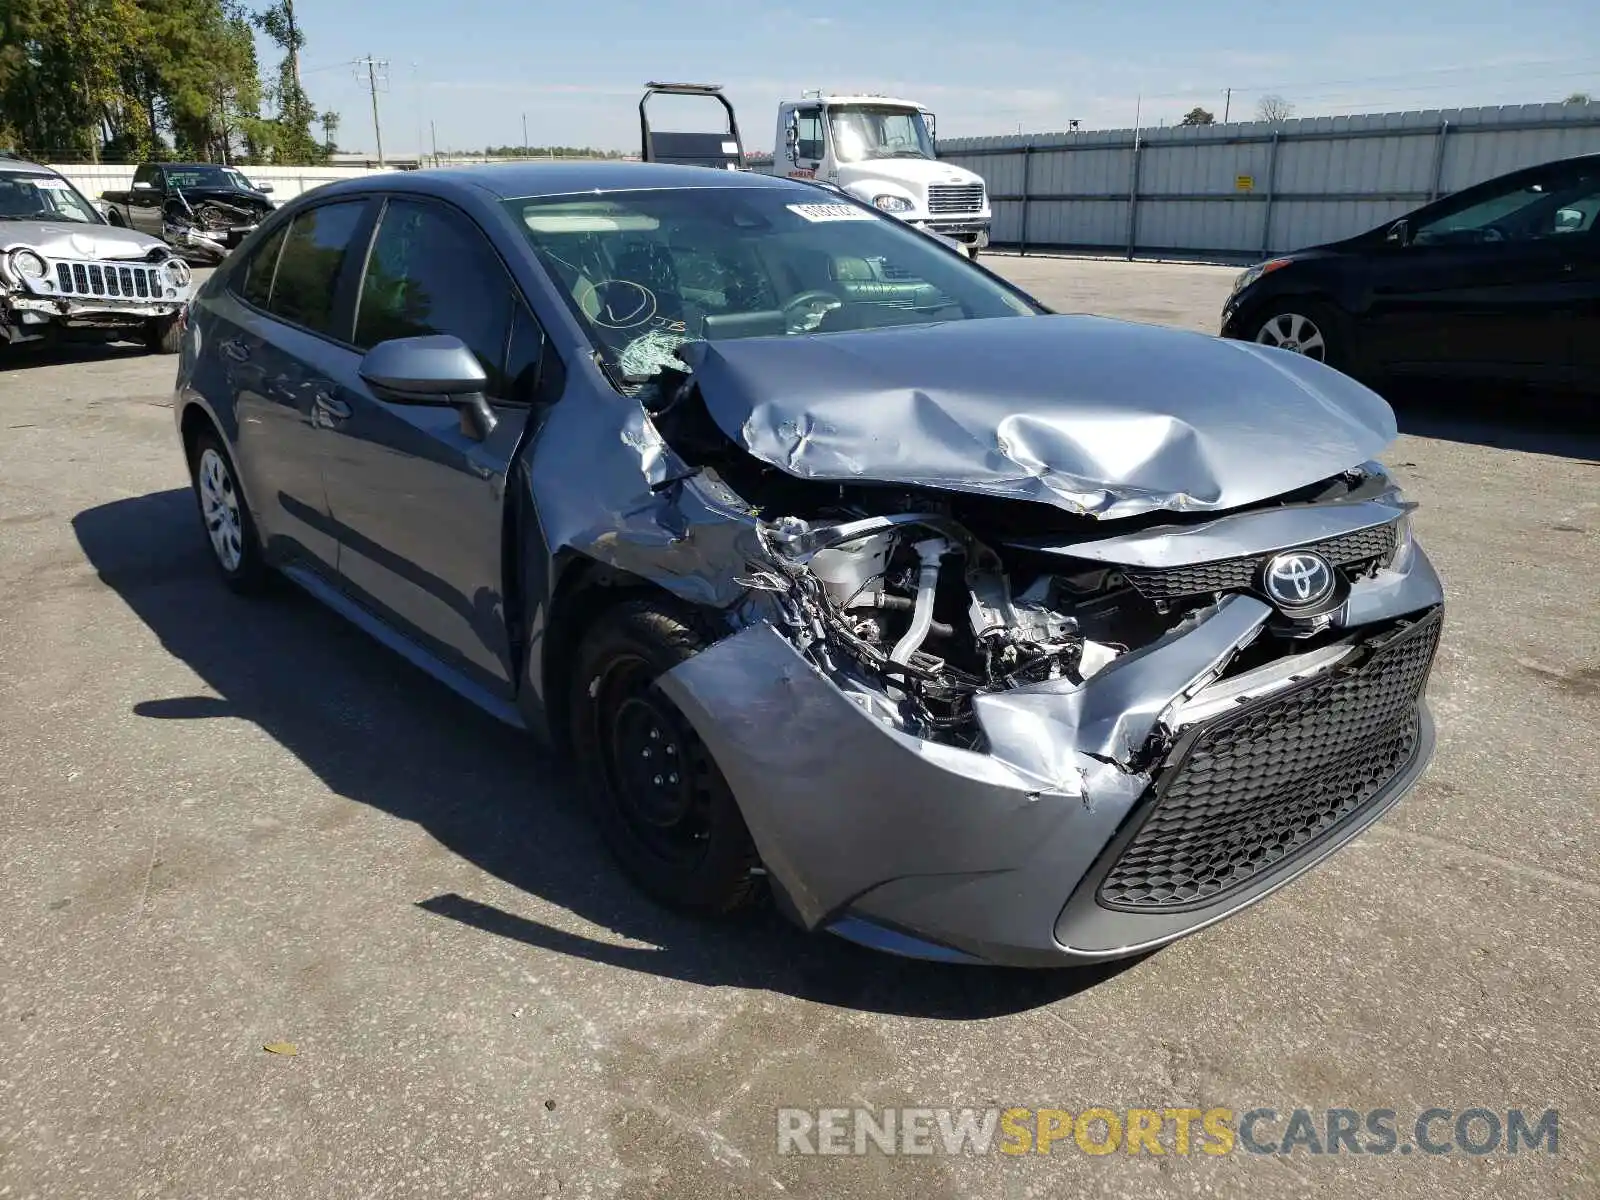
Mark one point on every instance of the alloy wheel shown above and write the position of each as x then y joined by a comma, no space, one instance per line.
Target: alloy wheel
1294,332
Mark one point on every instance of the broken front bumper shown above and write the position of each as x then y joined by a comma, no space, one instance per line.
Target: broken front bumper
1061,843
214,244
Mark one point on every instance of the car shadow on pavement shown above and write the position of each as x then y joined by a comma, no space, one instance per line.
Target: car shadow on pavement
1502,418
58,354
377,731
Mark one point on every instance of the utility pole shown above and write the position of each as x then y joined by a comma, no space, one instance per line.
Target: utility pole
1227,104
375,75
524,135
294,46
433,136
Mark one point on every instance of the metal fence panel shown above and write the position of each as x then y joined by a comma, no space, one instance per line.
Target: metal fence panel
1243,190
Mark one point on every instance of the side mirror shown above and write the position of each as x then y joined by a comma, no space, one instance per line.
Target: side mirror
264,188
1399,233
437,369
932,123
791,138
143,185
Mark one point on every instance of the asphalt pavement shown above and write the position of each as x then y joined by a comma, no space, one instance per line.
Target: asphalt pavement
233,824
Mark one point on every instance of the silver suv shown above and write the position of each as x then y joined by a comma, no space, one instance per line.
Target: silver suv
66,273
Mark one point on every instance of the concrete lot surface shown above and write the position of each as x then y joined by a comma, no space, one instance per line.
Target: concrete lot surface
232,823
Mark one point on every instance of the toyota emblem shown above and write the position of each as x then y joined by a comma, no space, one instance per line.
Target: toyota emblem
1298,579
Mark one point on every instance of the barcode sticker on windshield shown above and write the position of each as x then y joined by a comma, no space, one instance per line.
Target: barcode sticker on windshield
832,212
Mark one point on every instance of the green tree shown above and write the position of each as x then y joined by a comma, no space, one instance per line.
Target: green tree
60,80
1198,116
1578,98
294,142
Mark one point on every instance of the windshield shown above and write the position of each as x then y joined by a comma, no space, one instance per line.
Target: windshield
861,132
25,197
206,177
646,272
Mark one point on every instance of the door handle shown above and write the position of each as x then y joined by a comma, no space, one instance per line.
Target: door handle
236,350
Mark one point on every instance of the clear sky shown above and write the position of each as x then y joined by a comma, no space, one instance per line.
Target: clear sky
475,67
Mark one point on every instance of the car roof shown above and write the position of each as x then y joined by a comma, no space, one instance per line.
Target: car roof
11,163
509,181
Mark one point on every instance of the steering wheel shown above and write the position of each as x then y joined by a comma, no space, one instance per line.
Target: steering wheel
803,312
1493,233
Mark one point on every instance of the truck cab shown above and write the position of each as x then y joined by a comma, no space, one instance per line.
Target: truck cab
881,151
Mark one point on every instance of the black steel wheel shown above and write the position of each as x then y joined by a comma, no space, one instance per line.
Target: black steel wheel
661,803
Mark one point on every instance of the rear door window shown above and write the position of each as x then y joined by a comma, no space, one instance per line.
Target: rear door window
255,281
314,253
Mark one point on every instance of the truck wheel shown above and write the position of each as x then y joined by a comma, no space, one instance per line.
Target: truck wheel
164,335
115,217
661,803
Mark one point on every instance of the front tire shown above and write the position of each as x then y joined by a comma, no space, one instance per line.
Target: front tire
225,517
1306,327
661,803
164,335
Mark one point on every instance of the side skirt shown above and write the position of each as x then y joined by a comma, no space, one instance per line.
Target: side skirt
404,646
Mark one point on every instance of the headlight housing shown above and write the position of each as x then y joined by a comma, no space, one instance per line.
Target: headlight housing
890,203
25,264
1246,278
177,272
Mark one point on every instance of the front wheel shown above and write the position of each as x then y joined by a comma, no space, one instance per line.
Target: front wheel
164,335
661,803
1304,327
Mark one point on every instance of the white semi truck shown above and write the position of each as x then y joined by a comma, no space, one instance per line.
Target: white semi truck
881,151
877,149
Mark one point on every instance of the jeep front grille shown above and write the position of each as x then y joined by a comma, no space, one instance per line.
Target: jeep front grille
950,199
108,281
1254,789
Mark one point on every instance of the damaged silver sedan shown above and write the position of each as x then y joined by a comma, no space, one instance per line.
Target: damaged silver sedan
843,569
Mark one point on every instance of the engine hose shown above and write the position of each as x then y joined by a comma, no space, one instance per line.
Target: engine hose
930,552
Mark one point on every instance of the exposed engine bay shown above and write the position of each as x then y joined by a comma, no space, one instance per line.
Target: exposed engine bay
210,227
915,601
922,617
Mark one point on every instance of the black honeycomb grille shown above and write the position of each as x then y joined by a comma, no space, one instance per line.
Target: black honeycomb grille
1259,785
1350,550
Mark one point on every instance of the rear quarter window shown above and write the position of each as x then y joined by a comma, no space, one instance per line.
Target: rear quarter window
314,252
254,282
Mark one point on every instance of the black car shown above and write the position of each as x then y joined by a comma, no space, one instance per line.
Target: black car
1500,281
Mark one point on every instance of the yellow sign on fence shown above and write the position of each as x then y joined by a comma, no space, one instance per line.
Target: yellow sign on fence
1244,183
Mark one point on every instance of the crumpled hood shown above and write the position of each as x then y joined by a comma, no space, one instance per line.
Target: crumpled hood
76,239
1091,415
